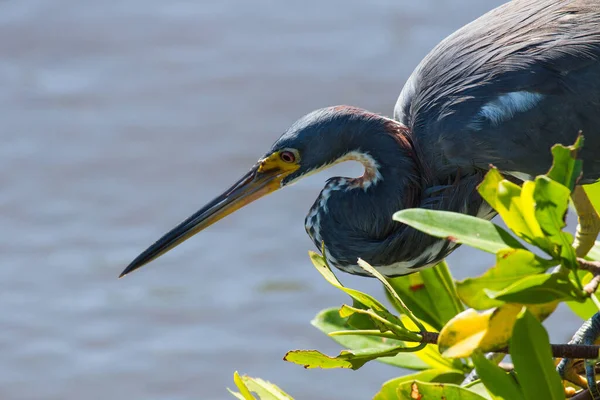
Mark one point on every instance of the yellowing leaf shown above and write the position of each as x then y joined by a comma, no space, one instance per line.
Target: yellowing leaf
353,359
265,390
517,212
244,393
528,208
488,189
389,389
487,331
593,193
434,391
517,208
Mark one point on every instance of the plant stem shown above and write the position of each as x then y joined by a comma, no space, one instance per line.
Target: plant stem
558,350
365,332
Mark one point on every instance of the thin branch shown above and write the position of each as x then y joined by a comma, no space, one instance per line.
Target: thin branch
592,266
558,350
591,287
583,395
364,332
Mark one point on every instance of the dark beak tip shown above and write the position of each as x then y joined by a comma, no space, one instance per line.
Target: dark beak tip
130,268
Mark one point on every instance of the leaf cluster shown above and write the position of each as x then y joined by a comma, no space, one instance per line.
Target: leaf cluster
536,269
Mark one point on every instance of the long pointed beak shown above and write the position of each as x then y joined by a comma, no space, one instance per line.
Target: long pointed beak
254,185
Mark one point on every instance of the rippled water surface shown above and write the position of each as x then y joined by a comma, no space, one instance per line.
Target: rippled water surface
120,118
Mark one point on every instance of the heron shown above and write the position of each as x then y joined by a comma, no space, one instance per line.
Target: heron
499,91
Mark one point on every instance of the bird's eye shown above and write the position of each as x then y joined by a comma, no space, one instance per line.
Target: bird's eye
287,156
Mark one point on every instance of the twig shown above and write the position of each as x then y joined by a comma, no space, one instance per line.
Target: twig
558,350
583,395
592,266
591,287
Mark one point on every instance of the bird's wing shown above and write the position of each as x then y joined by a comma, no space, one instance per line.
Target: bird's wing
505,88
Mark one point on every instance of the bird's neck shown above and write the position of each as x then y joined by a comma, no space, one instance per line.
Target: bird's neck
353,216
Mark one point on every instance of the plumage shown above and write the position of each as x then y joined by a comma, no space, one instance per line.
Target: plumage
501,90
547,48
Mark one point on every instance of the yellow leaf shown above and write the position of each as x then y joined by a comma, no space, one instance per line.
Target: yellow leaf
513,209
487,331
528,209
488,189
241,385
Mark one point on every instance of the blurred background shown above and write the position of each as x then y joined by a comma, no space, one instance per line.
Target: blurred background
118,119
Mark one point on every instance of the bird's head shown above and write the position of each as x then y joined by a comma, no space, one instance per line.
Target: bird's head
314,142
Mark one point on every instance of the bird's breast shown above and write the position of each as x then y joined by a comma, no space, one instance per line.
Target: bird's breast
428,258
312,223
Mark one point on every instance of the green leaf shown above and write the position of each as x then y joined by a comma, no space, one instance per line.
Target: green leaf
511,266
538,289
551,206
479,388
422,390
360,321
430,294
396,300
385,322
431,353
321,265
419,297
459,228
411,288
378,313
427,357
566,168
500,384
329,320
588,308
530,352
438,280
388,390
353,359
